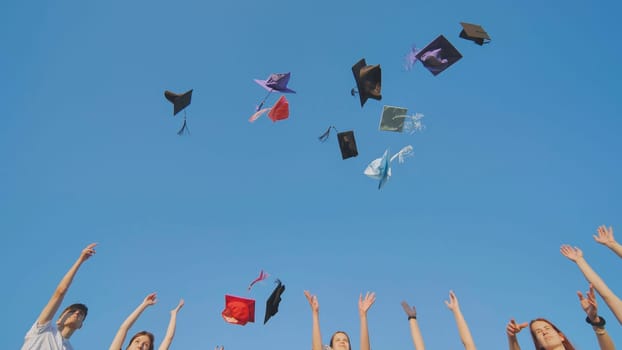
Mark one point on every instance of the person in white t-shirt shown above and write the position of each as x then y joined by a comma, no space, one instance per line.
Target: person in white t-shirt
44,335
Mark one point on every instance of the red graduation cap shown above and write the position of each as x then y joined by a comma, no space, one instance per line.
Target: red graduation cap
238,310
279,111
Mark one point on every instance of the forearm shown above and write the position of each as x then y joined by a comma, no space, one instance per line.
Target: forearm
65,283
415,333
316,336
604,340
513,343
463,330
612,300
616,248
119,338
59,294
170,333
364,334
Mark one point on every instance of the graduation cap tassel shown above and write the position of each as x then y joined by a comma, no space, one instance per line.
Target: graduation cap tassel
325,135
403,153
263,101
184,127
413,123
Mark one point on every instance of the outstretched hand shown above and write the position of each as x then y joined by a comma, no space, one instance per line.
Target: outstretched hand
315,305
150,299
87,252
452,304
572,253
605,236
409,310
514,328
366,303
588,303
178,307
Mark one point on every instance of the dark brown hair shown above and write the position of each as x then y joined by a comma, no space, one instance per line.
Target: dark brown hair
150,335
347,336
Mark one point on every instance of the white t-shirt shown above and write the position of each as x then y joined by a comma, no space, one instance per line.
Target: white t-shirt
45,337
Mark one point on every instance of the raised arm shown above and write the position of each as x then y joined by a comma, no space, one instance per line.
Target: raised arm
364,305
512,330
415,333
463,328
170,331
316,336
119,338
576,255
605,237
589,305
61,290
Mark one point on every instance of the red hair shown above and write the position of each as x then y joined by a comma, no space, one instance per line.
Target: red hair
565,342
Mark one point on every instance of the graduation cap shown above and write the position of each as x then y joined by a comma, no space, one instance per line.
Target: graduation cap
475,33
279,111
272,304
438,55
380,168
368,81
347,142
180,102
238,310
396,119
276,82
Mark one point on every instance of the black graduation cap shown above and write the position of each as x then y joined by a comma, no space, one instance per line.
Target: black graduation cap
367,81
475,33
180,102
347,144
272,304
438,55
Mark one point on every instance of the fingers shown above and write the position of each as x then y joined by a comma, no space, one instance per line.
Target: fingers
88,251
150,299
513,328
181,304
565,250
410,311
580,295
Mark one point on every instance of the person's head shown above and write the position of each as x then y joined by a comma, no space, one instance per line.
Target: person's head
73,316
142,340
548,337
340,341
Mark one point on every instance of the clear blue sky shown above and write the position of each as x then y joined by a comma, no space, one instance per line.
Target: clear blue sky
521,153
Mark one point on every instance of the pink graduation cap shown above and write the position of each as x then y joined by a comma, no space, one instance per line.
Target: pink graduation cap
279,111
276,82
437,56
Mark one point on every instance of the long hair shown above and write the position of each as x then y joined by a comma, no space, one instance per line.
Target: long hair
347,336
151,338
565,342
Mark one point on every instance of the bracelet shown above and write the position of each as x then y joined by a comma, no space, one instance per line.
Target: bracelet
600,331
600,324
412,318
